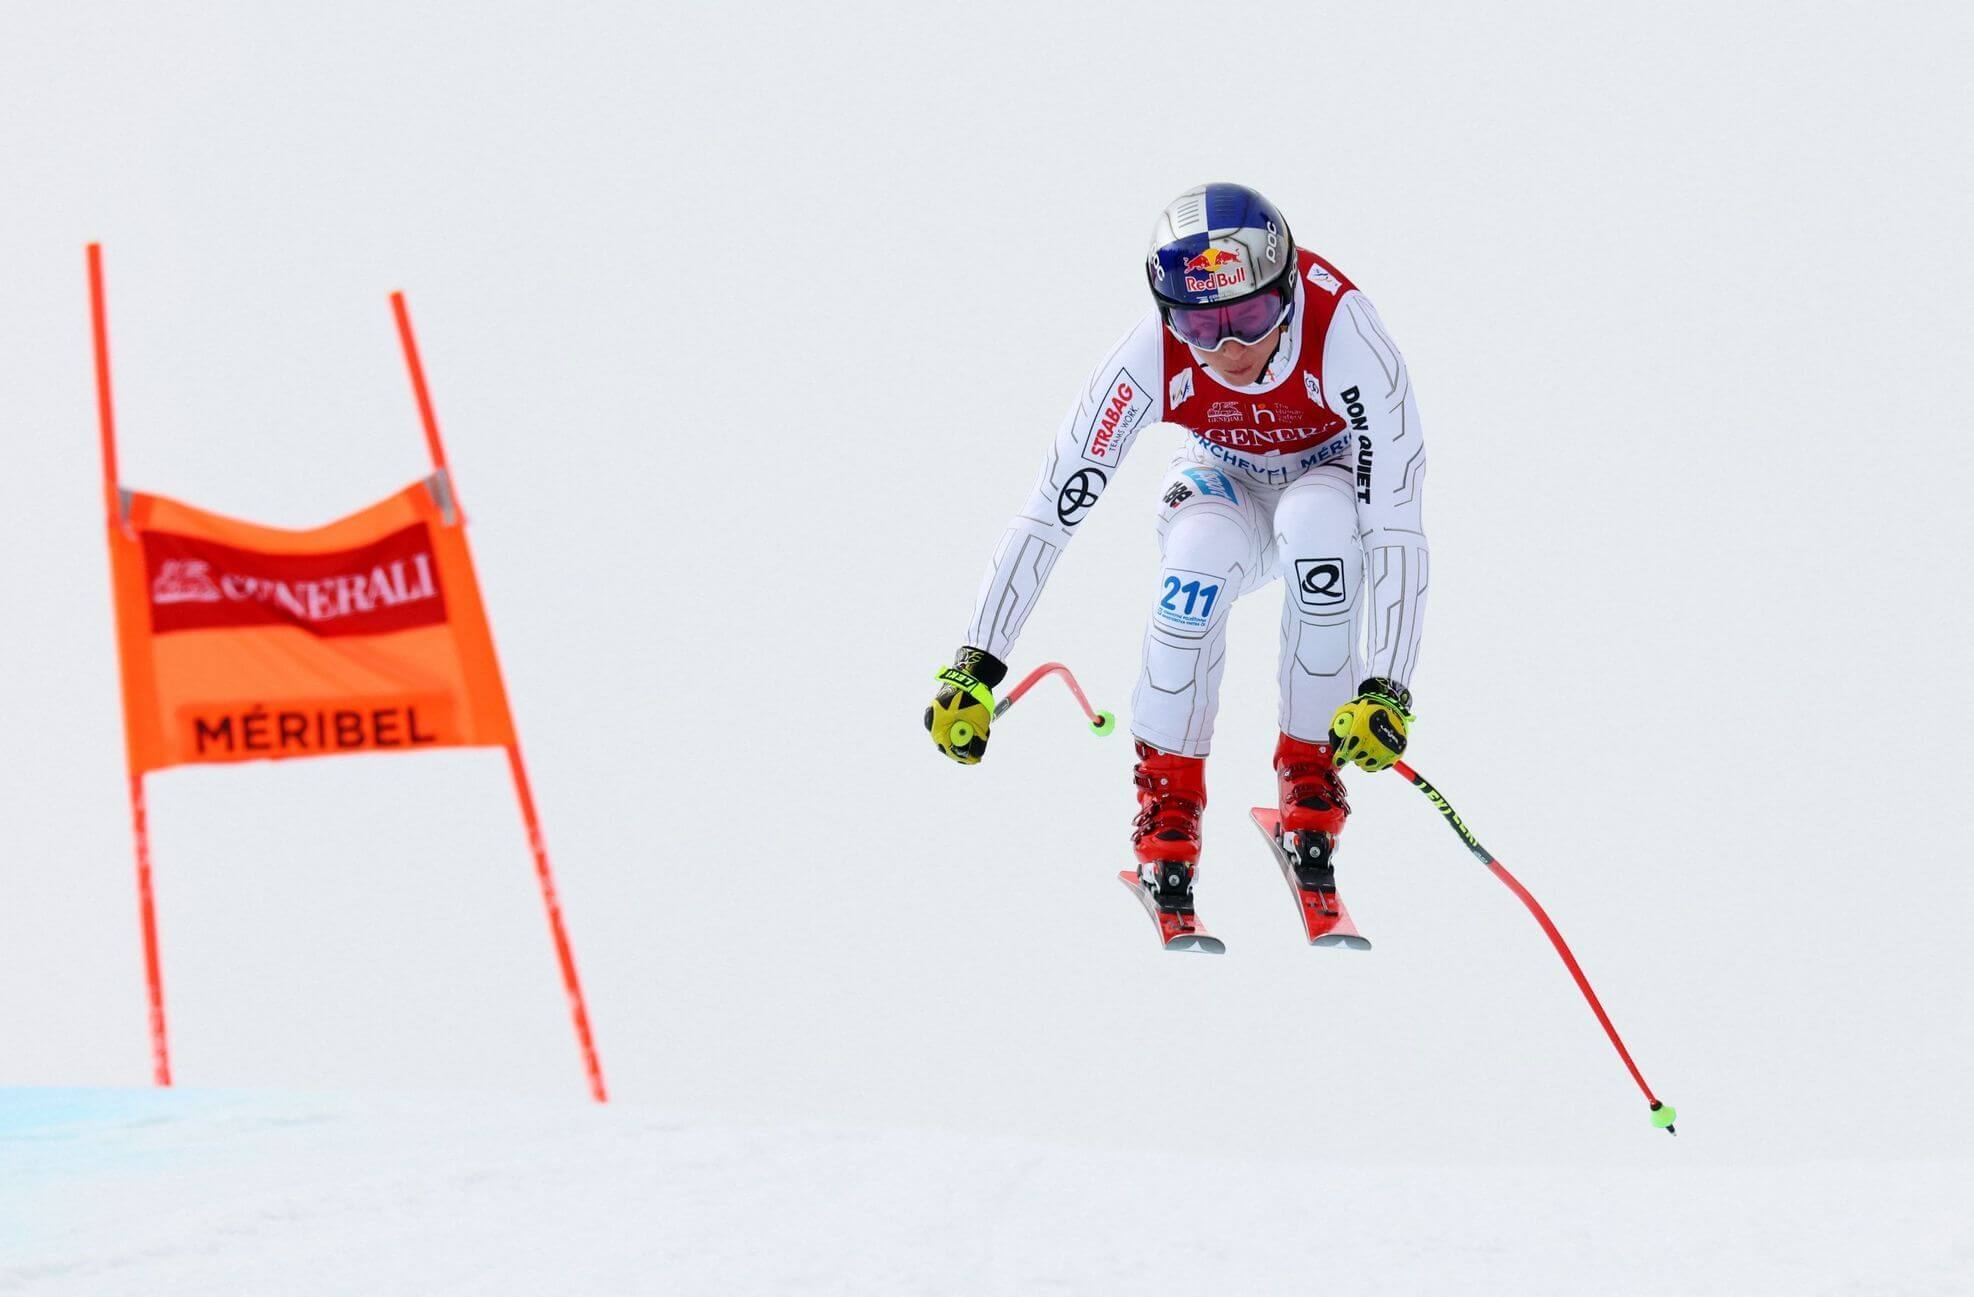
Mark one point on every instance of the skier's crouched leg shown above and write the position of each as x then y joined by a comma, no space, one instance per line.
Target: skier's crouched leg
1208,558
1322,567
1211,527
1210,555
1210,550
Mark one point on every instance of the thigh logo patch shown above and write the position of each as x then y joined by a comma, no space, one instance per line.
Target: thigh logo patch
1320,583
1213,484
1186,600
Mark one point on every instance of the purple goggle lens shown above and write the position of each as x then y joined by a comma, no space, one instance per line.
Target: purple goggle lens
1249,320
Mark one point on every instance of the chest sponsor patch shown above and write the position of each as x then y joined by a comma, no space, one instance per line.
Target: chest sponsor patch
1265,439
1284,423
1124,406
1179,389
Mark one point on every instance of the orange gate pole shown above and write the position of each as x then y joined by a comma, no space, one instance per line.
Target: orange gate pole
523,793
566,957
112,510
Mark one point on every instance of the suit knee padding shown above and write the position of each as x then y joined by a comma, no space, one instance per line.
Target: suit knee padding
1169,668
1207,540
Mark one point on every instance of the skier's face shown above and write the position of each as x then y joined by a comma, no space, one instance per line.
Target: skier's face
1238,363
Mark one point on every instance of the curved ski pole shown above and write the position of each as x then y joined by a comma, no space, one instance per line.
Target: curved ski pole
1101,723
1663,1114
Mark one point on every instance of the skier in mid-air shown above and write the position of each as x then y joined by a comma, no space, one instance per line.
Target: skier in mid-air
1305,461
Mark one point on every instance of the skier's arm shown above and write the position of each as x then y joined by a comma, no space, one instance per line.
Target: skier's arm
1121,398
1369,385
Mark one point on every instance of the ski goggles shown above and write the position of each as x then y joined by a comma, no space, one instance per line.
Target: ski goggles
1249,320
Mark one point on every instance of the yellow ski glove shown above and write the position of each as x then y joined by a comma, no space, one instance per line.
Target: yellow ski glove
1369,730
963,709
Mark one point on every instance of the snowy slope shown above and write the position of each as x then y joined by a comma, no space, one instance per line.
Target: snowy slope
111,1193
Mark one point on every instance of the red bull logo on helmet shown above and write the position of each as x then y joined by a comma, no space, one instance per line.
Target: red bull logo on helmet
1215,269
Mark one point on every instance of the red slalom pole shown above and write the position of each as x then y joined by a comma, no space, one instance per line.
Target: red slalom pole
1101,722
1663,1114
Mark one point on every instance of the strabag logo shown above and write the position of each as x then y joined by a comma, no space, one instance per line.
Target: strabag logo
388,585
1213,270
1123,408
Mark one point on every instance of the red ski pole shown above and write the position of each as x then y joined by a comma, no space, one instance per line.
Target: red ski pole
1101,723
1663,1114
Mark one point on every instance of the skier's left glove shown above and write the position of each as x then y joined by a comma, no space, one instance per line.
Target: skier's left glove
1370,729
963,709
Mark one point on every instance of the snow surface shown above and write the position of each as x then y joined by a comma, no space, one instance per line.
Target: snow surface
111,1192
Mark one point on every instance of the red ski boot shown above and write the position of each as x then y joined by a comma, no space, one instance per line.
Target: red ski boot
1303,831
1171,797
1310,800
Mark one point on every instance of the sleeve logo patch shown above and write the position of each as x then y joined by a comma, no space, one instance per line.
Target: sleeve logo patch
1079,495
1124,407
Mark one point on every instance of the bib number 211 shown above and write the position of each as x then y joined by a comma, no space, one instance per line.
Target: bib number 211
1196,594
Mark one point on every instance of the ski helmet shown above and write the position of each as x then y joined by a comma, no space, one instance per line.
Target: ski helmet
1216,245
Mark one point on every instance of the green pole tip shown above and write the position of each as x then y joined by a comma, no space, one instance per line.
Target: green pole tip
1663,1116
1104,724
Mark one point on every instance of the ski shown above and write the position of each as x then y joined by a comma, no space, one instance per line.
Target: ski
1175,931
1324,917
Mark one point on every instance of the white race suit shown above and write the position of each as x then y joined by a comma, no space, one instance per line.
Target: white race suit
1314,473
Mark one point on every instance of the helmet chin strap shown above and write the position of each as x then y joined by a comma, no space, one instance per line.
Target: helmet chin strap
1281,351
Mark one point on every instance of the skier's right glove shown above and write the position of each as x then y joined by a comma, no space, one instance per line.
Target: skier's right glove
963,709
